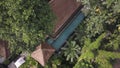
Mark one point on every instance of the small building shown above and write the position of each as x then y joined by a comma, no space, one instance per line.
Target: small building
17,63
42,53
117,63
4,51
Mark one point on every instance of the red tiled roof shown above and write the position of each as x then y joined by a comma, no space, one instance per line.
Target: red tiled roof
63,10
4,51
43,53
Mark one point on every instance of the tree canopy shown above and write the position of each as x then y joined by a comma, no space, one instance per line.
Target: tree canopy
24,23
94,44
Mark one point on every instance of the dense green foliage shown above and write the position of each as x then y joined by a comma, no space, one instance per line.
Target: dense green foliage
71,50
24,23
95,43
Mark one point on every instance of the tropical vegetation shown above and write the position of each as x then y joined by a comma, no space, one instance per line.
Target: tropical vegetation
94,44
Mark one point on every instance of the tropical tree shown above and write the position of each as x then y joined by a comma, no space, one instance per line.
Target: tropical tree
24,23
100,49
